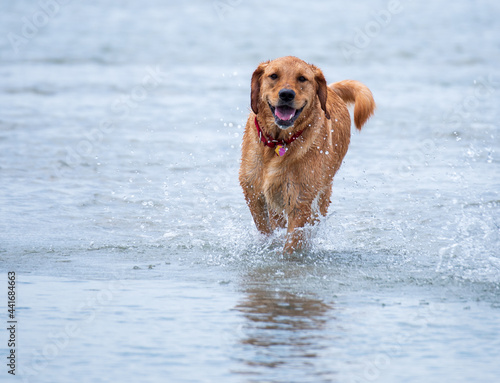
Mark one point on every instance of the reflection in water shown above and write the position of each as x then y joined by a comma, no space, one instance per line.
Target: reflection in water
284,330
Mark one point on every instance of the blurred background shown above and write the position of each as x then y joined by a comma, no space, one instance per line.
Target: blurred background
120,131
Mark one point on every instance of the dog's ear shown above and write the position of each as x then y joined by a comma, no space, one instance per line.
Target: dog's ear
255,86
322,89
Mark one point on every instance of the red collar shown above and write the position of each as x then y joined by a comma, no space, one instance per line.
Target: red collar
274,143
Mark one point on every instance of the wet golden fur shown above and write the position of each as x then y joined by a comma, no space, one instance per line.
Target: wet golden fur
290,191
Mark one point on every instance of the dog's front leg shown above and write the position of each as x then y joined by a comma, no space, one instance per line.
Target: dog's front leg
276,220
258,209
296,233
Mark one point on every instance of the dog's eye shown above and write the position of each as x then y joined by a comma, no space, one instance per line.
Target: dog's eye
274,76
302,79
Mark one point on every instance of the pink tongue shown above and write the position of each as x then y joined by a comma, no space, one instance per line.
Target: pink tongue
284,112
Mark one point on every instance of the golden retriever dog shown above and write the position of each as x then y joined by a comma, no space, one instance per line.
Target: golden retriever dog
294,142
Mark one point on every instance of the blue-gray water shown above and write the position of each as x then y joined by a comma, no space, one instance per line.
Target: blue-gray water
136,257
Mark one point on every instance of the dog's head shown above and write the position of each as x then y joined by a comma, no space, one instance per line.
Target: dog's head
286,87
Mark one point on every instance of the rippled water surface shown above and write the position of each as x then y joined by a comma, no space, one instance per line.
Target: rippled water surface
135,254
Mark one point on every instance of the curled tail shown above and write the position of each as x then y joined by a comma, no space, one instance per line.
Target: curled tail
352,91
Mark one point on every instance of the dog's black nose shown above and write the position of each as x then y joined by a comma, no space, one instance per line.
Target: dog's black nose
286,95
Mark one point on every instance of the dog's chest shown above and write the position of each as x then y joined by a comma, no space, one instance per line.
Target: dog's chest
279,187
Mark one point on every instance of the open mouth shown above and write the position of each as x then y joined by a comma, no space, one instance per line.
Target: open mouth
284,115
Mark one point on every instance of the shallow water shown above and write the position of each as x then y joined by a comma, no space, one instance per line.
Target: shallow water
136,257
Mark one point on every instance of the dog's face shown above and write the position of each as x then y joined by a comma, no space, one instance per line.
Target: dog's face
286,88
